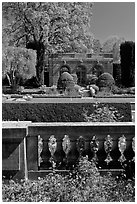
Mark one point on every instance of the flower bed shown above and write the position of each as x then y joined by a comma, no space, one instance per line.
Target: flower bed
85,184
66,112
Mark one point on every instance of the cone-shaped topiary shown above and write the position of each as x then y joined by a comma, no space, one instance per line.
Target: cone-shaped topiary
105,80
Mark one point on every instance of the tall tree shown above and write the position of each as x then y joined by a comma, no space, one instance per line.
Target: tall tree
96,46
110,42
48,27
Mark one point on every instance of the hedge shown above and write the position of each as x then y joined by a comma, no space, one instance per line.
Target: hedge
40,112
127,53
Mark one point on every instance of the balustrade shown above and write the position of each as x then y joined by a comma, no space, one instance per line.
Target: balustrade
59,146
109,151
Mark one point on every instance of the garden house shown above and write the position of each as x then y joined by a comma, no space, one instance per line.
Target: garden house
75,63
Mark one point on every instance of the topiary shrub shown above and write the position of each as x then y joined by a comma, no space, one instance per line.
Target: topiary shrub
98,69
91,79
105,81
64,80
75,78
31,83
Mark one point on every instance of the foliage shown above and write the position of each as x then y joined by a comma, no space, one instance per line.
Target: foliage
104,113
105,80
31,83
117,73
120,90
64,80
127,53
75,78
98,69
18,63
96,46
116,50
83,185
72,112
48,27
91,79
110,43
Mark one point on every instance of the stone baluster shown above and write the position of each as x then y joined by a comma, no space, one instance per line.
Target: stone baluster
133,147
122,147
40,149
94,146
66,144
52,148
80,145
108,148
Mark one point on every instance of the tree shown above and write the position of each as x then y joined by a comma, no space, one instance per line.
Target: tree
48,27
116,50
18,63
110,42
96,46
127,53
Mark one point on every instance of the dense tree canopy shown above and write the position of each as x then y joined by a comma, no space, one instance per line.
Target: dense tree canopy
110,43
48,27
18,63
97,46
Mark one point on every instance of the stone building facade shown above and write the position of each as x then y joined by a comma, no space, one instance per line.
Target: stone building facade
75,63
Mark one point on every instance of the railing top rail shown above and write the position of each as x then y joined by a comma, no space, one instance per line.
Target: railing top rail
73,124
19,125
15,124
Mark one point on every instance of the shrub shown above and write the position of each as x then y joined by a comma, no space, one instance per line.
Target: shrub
104,113
127,53
97,69
75,78
85,184
106,80
64,80
31,83
49,90
117,73
91,79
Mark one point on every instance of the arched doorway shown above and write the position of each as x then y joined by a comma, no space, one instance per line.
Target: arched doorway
82,75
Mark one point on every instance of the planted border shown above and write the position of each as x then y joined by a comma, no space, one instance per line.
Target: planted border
59,112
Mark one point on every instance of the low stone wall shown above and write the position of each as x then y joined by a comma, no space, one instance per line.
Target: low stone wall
33,149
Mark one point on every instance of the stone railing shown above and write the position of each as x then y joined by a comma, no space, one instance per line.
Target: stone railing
33,149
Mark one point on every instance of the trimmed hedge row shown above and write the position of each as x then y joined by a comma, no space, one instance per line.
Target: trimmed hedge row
40,112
